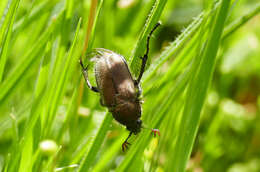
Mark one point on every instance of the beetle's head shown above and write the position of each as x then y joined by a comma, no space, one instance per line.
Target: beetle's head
135,126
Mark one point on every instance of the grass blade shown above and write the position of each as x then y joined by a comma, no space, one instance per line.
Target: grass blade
140,46
94,148
5,40
197,92
11,82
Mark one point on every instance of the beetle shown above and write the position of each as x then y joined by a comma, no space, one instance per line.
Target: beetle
119,92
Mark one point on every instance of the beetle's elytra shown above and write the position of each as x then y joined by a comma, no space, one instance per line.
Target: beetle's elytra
119,92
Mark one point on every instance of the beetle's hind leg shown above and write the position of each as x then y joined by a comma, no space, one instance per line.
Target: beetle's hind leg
85,74
145,57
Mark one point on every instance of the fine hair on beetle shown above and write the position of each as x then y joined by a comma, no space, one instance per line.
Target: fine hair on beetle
118,90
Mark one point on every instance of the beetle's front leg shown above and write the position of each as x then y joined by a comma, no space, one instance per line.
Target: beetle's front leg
145,57
85,74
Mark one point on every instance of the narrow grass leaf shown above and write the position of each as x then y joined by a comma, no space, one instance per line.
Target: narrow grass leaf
5,40
231,28
197,92
62,79
38,11
110,153
97,143
26,148
152,19
28,60
174,47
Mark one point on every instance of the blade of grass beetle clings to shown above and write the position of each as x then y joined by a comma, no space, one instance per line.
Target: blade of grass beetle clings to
173,118
197,90
5,35
139,50
188,76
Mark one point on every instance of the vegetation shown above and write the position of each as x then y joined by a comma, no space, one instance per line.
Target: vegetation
201,87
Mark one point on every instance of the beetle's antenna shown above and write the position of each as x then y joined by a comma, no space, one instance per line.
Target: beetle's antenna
145,57
149,36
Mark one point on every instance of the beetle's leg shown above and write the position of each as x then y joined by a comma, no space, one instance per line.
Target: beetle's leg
125,144
85,73
145,57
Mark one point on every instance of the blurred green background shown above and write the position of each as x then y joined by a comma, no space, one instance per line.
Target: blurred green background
50,121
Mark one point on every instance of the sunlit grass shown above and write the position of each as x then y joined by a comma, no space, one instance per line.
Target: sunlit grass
43,96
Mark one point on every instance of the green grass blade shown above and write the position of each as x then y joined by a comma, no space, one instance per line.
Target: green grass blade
62,80
153,18
92,36
72,110
36,13
27,144
173,48
197,92
177,44
42,88
110,153
99,138
28,60
5,40
231,28
3,5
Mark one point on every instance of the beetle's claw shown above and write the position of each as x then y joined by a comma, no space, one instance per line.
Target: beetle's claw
125,146
155,131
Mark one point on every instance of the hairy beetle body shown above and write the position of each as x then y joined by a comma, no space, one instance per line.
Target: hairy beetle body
119,92
117,88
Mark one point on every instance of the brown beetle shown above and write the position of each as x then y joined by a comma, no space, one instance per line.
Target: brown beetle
118,90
